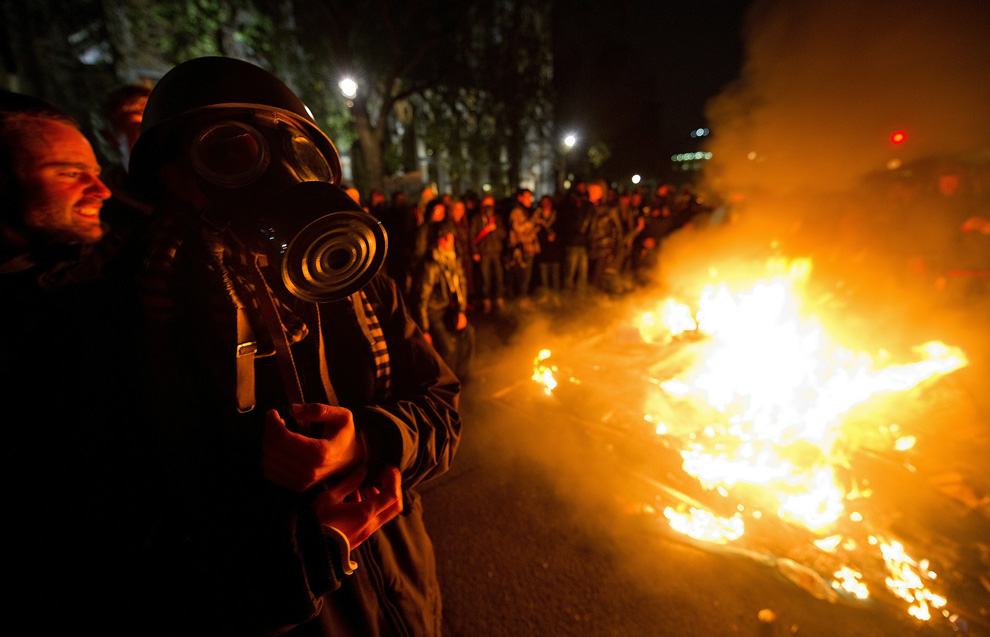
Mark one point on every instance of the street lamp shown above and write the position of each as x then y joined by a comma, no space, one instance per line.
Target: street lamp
348,87
569,140
636,179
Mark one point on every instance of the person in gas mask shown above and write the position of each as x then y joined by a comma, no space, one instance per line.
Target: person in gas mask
298,405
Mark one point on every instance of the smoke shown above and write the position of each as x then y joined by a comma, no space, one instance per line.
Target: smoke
825,84
803,151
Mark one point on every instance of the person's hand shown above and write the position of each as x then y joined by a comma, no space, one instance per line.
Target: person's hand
476,257
365,510
461,321
492,226
297,461
428,338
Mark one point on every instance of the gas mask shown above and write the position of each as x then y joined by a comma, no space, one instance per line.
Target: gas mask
269,184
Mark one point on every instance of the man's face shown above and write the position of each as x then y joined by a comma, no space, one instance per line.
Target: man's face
457,212
526,199
439,212
63,193
595,193
488,202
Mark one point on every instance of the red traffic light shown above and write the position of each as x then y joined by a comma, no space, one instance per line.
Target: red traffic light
898,137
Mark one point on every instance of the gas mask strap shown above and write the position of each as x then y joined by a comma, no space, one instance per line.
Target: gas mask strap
273,323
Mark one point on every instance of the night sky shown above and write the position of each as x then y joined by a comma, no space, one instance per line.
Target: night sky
636,74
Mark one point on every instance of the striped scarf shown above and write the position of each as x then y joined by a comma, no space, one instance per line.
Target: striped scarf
376,339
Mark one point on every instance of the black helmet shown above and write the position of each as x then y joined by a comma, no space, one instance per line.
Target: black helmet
215,84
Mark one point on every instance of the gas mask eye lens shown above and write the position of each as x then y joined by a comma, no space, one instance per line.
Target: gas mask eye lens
309,162
230,154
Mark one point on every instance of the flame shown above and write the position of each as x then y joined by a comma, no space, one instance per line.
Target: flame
906,580
543,373
761,409
704,525
851,581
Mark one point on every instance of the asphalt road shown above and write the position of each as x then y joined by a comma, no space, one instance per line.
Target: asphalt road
531,541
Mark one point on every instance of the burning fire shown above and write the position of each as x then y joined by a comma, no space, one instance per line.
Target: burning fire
758,415
543,372
762,413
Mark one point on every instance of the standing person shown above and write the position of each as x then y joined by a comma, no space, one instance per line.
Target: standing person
125,215
605,237
574,223
285,473
462,242
122,113
376,204
442,302
427,195
550,249
524,243
72,461
488,237
400,226
435,214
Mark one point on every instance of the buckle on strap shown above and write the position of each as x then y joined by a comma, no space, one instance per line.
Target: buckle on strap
248,348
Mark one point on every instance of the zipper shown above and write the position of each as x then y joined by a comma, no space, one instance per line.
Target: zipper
378,580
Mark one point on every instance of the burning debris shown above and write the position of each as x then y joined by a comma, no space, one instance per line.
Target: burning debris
768,410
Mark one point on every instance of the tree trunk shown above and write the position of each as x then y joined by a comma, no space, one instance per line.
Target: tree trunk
370,137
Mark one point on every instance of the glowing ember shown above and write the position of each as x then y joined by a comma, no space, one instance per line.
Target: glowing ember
907,578
705,526
905,443
543,372
829,544
850,581
759,414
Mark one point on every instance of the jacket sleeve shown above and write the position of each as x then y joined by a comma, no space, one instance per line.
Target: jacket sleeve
418,428
427,279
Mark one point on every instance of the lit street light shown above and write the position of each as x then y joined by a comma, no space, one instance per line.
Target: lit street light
348,87
569,140
636,179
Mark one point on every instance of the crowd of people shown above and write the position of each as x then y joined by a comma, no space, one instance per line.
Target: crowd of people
455,257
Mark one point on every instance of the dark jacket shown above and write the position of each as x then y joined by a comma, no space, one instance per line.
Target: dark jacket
238,555
574,222
484,241
551,250
441,289
73,461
